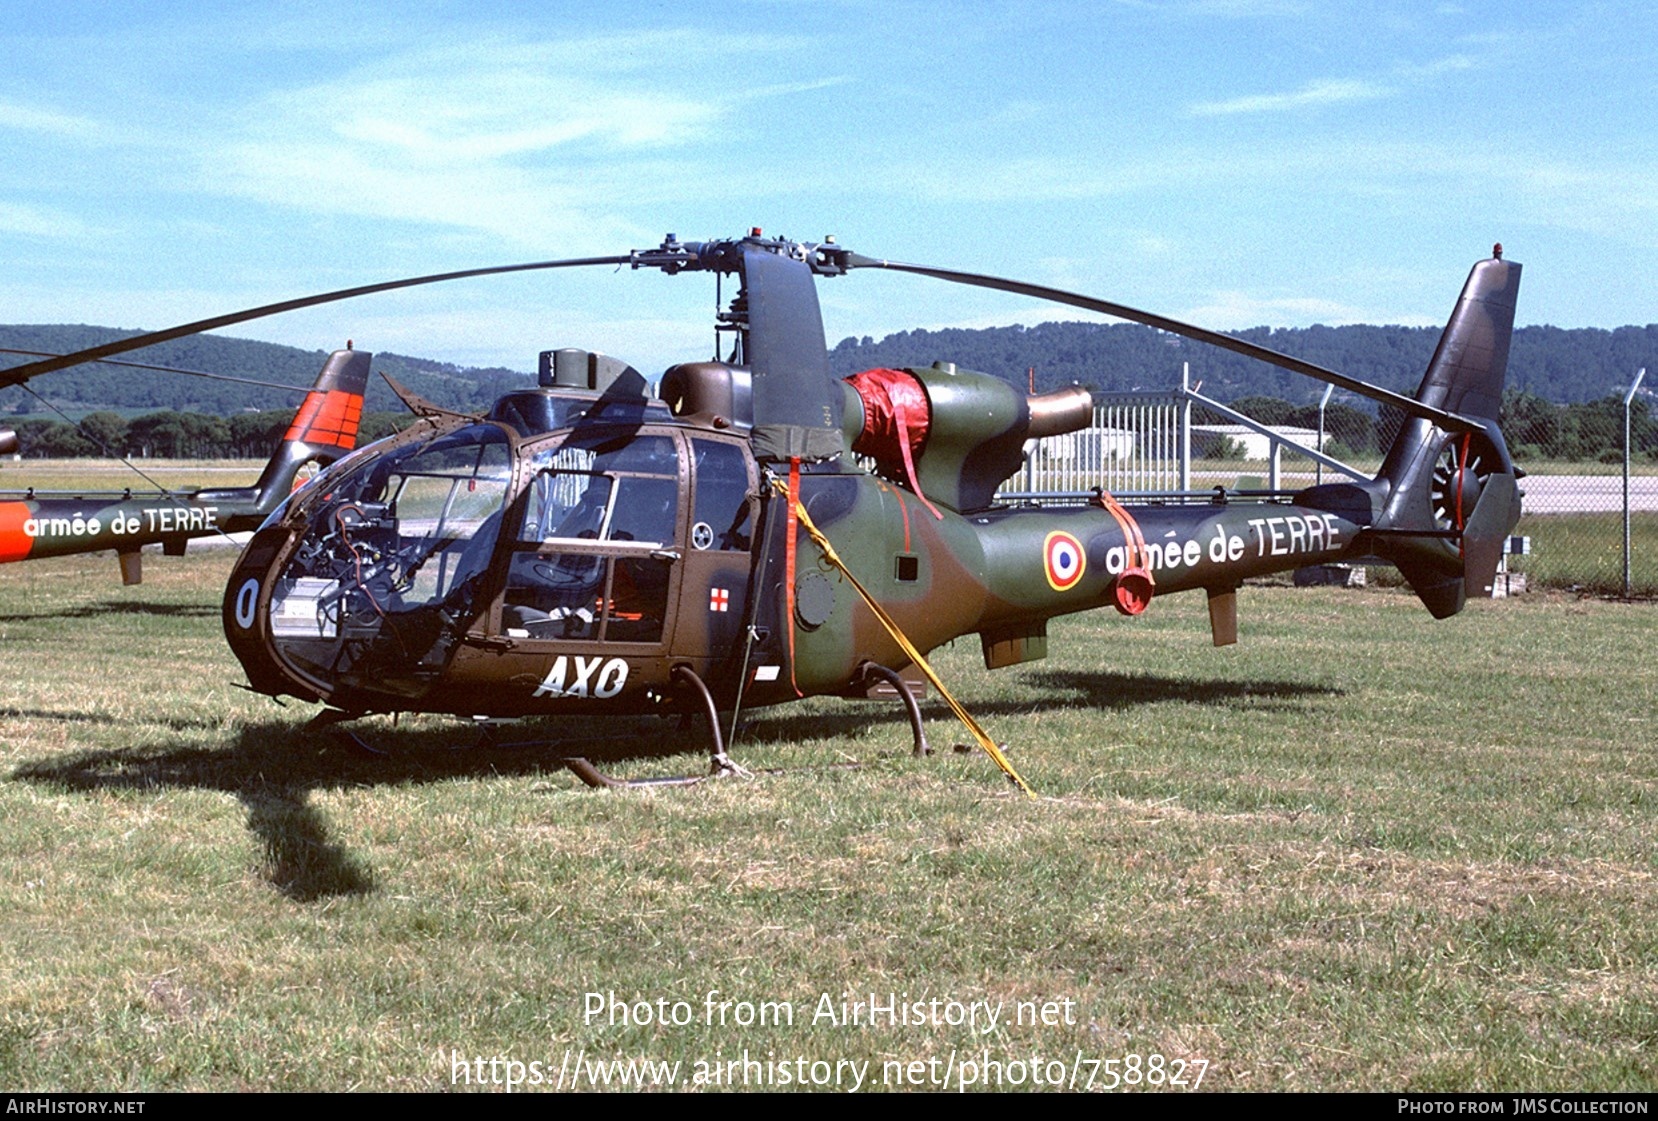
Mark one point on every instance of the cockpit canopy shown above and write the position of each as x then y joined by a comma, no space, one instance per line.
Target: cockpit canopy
496,528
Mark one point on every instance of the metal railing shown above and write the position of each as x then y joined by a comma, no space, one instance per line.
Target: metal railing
1139,445
1591,530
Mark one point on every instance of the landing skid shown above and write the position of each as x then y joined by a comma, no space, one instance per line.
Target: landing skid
720,765
583,769
911,709
592,776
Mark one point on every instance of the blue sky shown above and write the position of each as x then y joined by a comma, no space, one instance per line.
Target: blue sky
1232,162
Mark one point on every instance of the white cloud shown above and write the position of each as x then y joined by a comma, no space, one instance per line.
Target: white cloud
478,117
1333,91
534,143
1240,9
1606,201
1231,310
30,119
1020,179
1450,64
1154,245
34,221
790,88
1328,91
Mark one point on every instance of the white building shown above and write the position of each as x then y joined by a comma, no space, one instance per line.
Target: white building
1097,445
1255,445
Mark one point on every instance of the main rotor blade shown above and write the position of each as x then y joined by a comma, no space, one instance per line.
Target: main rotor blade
1451,422
164,369
19,374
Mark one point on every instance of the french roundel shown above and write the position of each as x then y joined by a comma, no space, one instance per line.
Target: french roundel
1063,561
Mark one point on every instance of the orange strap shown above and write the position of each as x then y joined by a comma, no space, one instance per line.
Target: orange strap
904,509
788,567
1132,537
902,419
1467,438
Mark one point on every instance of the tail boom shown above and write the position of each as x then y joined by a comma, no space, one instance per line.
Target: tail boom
325,428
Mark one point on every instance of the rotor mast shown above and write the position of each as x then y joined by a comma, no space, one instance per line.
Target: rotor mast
778,327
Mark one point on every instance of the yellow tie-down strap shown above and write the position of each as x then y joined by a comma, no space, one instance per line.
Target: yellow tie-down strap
908,647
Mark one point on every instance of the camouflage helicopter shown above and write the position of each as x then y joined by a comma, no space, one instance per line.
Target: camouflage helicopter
589,547
38,524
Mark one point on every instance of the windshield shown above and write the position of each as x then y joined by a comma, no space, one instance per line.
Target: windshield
394,555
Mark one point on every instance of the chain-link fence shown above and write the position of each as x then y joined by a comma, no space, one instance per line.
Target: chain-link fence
1591,491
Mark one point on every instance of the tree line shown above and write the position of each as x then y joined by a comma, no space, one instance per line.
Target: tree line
129,391
1564,400
1550,363
173,435
1534,429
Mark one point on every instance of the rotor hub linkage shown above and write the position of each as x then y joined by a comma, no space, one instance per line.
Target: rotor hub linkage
673,256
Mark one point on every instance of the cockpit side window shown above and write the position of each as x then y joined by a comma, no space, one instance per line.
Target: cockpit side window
568,505
647,510
594,554
722,516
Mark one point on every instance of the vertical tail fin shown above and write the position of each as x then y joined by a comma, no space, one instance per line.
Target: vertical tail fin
323,430
1452,499
333,409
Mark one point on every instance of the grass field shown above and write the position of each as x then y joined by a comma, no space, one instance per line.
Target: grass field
1362,850
109,474
1585,551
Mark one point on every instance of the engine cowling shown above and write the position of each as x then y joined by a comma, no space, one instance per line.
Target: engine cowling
963,431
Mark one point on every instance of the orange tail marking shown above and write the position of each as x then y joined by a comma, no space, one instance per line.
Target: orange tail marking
14,543
330,418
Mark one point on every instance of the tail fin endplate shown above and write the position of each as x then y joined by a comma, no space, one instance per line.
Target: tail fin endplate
324,428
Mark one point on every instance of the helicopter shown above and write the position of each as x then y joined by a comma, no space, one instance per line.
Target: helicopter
591,547
37,524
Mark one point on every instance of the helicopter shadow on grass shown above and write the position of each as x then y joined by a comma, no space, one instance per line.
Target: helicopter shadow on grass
1121,691
272,768
116,607
1060,689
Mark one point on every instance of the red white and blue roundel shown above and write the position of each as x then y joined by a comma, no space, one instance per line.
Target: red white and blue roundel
1063,561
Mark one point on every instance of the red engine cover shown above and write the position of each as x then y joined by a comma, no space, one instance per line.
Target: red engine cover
897,418
895,409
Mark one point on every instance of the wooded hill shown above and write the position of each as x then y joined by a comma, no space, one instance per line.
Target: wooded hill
1562,403
129,392
1562,366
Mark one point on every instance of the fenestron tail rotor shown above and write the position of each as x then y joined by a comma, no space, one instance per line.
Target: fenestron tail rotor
1459,475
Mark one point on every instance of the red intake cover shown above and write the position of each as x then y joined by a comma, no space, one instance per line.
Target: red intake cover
895,407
